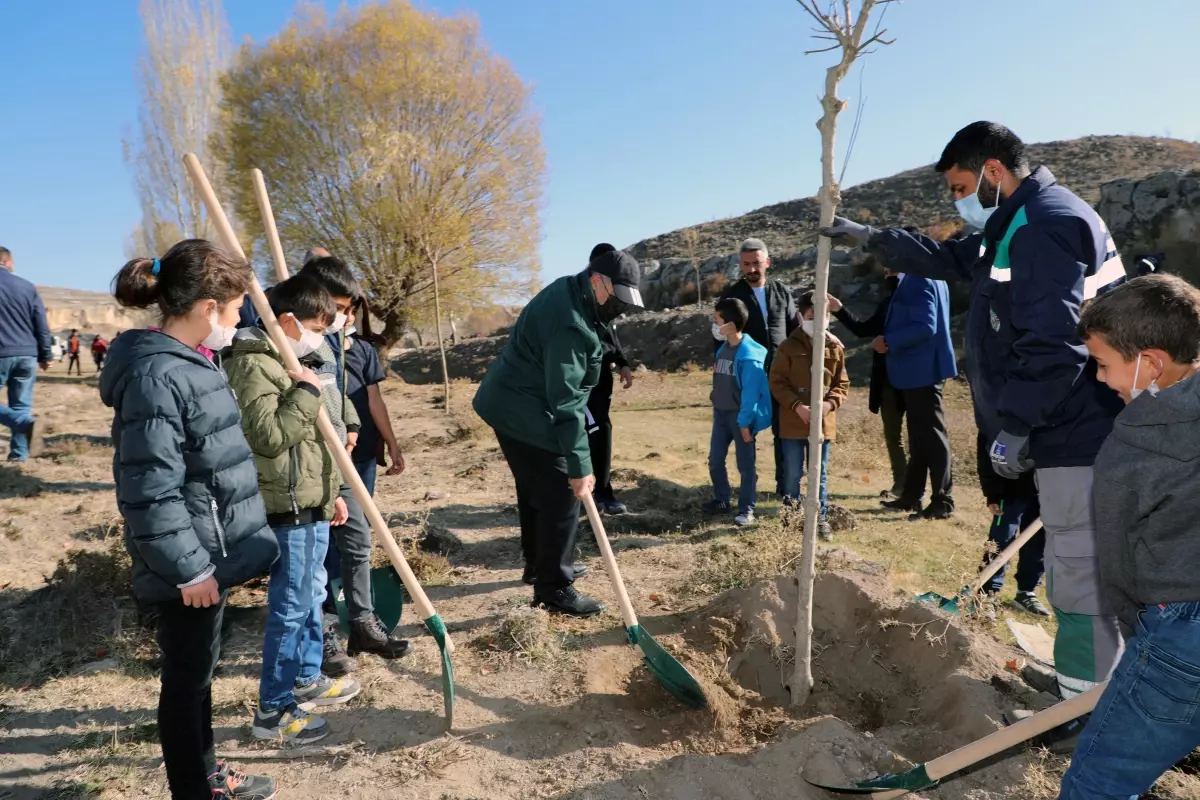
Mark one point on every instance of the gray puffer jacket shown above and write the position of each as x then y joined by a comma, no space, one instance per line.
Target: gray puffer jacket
186,482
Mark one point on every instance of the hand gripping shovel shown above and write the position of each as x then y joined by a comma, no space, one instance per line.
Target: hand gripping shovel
432,621
926,776
670,673
953,605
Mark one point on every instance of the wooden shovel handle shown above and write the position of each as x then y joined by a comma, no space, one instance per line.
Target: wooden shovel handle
610,562
217,214
1005,556
268,221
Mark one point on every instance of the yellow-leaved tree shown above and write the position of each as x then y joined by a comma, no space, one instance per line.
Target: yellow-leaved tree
397,140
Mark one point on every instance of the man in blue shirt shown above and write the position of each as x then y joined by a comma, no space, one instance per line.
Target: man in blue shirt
24,344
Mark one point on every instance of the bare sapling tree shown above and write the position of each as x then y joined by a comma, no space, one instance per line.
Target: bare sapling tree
691,245
837,23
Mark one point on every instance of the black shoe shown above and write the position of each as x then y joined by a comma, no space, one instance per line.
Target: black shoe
368,636
889,494
716,507
228,783
613,508
933,511
900,504
335,662
579,570
567,600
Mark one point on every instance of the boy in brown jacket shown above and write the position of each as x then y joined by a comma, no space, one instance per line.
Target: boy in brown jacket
791,384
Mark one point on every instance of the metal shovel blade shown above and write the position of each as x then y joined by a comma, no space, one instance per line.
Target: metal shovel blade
437,628
913,780
940,602
674,676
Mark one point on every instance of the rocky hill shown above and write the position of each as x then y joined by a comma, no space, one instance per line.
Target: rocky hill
89,312
916,197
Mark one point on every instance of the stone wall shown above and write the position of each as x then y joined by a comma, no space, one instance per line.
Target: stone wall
1157,213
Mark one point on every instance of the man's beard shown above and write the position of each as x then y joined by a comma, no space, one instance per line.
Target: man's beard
754,277
987,194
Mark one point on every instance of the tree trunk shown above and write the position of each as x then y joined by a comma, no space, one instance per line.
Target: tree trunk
802,678
437,325
699,286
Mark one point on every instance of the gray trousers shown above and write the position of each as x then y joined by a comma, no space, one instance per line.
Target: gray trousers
354,550
1088,644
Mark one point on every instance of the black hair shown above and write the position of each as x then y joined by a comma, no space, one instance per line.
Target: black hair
191,271
305,297
1155,312
599,250
733,310
334,275
975,144
5,254
805,303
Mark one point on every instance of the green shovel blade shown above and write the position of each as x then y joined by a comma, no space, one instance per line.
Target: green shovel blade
437,628
935,600
913,780
670,673
387,598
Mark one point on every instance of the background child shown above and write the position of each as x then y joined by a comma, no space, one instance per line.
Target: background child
741,408
791,382
1014,506
1145,338
195,524
299,481
350,552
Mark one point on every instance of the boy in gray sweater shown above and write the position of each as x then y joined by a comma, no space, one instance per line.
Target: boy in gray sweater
1145,338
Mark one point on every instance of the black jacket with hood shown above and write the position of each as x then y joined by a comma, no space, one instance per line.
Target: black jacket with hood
185,476
1146,503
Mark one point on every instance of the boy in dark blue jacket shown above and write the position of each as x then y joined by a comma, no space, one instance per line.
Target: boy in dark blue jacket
741,401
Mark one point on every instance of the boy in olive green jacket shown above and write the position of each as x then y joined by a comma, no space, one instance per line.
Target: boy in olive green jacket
299,483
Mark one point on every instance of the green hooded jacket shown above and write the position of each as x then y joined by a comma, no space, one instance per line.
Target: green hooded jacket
536,391
279,417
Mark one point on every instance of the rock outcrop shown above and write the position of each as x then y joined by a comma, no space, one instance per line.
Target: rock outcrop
1158,213
89,312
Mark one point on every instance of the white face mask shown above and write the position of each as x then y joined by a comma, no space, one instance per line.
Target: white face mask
339,322
351,330
219,337
1152,388
807,325
717,334
309,342
971,209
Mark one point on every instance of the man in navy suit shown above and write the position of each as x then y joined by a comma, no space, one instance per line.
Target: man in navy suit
920,357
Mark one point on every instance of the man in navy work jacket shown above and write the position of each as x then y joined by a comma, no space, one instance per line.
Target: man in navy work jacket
919,358
24,344
1042,253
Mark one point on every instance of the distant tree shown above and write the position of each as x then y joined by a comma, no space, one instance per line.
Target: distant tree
187,45
396,139
691,245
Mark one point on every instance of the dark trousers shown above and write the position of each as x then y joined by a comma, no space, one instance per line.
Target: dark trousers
891,411
190,640
929,447
1015,515
549,512
349,557
780,460
600,437
73,360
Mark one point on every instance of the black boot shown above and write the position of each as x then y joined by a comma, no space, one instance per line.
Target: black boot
335,662
578,571
567,601
368,636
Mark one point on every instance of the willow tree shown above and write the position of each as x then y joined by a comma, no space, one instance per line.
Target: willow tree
396,139
186,47
836,23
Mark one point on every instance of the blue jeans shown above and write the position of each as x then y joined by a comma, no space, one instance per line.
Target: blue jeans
366,470
18,373
1016,515
725,430
795,464
293,645
1146,720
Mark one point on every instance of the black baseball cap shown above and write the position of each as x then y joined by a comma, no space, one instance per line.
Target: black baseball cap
624,272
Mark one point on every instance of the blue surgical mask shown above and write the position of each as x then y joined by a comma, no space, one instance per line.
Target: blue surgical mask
971,209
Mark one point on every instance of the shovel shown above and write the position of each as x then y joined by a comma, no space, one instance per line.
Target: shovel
670,673
433,622
927,775
953,605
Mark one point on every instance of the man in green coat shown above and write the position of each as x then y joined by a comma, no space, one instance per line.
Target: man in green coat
534,396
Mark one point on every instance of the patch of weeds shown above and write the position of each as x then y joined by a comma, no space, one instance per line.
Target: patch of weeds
524,633
115,740
769,550
430,760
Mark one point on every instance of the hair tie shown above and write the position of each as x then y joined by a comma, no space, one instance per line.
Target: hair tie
154,268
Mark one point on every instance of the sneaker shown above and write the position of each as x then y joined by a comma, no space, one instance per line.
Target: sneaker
326,691
716,507
368,636
1060,740
1030,604
228,783
745,518
900,504
1041,679
567,600
614,508
824,532
578,571
334,661
289,725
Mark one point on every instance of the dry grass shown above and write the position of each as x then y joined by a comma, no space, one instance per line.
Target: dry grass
1043,779
770,549
429,760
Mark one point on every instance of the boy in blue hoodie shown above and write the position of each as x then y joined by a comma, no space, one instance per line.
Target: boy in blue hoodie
1145,338
741,408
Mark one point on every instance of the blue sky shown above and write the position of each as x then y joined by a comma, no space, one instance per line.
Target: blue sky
657,113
